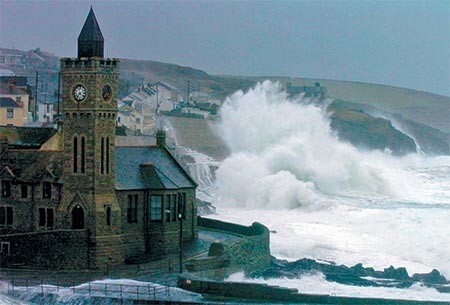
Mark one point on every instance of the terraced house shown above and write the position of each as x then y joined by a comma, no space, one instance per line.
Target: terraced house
74,197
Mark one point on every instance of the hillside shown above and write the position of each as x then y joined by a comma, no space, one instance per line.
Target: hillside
418,106
366,126
134,72
421,114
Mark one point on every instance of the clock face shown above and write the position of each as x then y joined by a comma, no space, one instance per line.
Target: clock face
106,92
79,93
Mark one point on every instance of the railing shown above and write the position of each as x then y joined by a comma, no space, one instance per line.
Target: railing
144,291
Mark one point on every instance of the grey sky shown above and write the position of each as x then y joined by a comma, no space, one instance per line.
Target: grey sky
400,43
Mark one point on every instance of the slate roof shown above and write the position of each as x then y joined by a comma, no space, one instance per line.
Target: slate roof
30,137
11,89
149,167
166,85
34,166
8,102
91,30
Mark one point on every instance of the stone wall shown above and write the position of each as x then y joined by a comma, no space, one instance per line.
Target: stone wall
275,293
251,252
145,240
62,249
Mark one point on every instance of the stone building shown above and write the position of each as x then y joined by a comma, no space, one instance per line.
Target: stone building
77,199
316,91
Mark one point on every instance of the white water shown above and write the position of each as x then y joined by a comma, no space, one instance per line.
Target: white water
316,284
326,199
121,291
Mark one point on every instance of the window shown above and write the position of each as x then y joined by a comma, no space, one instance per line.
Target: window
46,218
46,190
75,154
107,155
168,208
156,208
9,113
132,209
9,216
42,217
18,99
135,208
6,188
102,156
6,217
182,205
50,218
174,208
23,191
83,154
5,247
108,216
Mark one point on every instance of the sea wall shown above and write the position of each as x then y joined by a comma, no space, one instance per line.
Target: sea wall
249,252
265,292
49,249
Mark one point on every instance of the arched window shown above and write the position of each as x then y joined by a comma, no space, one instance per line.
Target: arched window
107,155
108,216
102,156
83,154
75,154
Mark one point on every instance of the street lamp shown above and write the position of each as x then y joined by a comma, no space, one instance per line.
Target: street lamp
180,218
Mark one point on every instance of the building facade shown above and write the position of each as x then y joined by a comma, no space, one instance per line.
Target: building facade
14,104
76,198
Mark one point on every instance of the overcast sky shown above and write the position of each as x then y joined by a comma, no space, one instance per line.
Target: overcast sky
399,43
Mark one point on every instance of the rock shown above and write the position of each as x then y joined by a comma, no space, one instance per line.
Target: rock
396,274
434,277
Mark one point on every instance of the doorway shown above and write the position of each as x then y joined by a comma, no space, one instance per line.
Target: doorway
77,217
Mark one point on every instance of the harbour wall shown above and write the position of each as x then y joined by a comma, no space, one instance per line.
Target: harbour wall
249,252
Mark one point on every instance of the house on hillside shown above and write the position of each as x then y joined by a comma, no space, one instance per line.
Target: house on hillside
316,91
14,104
167,91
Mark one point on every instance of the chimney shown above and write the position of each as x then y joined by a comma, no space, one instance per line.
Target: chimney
161,138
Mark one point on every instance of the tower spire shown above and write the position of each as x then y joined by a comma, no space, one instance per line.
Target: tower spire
90,40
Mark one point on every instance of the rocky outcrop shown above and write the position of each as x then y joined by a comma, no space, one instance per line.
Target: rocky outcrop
369,127
356,275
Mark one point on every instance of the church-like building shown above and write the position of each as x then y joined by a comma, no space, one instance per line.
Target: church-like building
70,198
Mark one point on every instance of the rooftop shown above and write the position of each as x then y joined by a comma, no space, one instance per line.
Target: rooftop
8,102
91,30
149,167
30,137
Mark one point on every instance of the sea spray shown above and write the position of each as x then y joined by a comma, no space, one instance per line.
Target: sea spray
325,198
277,140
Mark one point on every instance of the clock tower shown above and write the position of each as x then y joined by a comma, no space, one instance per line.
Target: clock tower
89,107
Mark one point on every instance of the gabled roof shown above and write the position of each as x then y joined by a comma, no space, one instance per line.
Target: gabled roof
8,102
26,137
149,167
165,85
11,89
34,166
91,30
